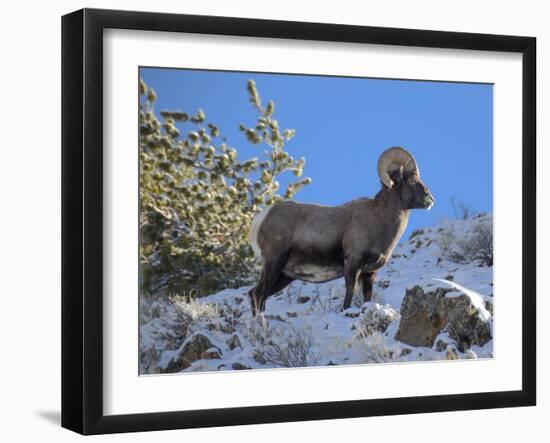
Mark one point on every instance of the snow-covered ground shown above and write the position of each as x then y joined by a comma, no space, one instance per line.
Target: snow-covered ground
304,326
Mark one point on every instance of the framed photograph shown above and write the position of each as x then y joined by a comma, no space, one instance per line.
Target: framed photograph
269,221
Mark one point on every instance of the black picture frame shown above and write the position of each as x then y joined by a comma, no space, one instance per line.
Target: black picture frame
82,218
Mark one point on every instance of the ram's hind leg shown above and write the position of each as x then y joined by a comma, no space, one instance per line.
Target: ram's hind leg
269,279
279,285
254,302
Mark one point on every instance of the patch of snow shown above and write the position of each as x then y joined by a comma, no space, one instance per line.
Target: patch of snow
475,298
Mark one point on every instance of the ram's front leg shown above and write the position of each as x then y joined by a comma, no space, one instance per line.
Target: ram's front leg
367,281
373,262
352,267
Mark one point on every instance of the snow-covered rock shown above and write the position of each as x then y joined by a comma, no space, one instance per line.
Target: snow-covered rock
234,342
197,347
424,315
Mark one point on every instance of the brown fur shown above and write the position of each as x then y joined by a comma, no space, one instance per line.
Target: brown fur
320,243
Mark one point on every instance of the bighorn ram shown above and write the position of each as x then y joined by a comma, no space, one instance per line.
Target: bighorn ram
317,243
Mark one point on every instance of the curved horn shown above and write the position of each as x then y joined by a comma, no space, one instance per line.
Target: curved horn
394,158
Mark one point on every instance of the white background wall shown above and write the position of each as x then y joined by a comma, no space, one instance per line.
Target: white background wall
30,217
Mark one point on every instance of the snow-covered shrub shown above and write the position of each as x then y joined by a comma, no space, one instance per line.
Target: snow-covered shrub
293,291
477,246
197,197
165,323
480,246
377,348
448,245
282,344
375,318
462,210
322,303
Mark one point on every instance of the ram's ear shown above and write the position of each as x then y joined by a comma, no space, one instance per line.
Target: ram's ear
397,175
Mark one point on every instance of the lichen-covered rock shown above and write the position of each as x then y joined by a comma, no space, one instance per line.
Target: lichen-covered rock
445,343
425,314
352,312
489,304
234,342
259,357
451,353
420,321
274,317
196,347
239,366
221,326
212,353
442,341
466,324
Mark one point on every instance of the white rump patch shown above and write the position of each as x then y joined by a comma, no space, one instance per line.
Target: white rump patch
254,229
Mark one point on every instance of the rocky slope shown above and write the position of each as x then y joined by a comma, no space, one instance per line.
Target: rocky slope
433,300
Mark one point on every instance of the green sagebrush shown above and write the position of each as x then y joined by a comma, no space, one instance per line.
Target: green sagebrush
198,198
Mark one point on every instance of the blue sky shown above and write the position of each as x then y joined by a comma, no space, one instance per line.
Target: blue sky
343,124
